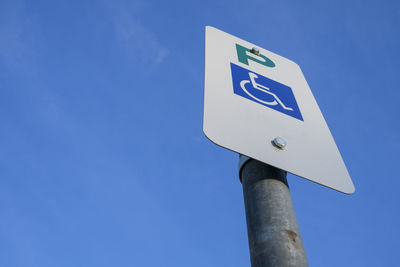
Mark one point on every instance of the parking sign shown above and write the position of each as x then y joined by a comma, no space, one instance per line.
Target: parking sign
253,96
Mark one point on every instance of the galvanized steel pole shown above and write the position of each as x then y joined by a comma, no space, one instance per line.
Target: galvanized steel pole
274,235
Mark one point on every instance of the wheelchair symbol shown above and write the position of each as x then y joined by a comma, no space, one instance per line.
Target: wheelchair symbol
264,89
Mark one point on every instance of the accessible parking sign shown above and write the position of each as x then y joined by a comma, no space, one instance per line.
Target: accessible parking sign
253,96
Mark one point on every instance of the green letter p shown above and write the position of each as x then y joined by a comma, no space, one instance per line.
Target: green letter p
244,57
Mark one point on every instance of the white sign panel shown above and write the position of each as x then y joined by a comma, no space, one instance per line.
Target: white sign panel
259,104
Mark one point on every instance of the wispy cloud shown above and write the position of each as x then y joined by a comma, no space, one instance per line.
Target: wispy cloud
137,41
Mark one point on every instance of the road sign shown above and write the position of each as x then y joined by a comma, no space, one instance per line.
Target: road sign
256,100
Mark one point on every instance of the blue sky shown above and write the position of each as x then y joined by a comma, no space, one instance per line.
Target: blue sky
102,157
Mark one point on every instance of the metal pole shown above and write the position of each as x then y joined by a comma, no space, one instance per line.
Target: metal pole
274,235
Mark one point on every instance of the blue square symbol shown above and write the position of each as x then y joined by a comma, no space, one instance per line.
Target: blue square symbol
264,91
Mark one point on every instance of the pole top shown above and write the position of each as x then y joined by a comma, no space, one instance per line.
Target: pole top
242,161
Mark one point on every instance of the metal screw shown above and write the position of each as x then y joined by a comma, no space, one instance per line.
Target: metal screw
255,51
279,142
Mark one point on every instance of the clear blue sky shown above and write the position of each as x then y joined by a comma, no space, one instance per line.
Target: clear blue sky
102,157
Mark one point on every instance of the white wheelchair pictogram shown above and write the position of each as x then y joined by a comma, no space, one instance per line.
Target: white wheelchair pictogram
264,89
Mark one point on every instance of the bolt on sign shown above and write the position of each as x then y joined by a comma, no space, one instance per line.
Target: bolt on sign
259,104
